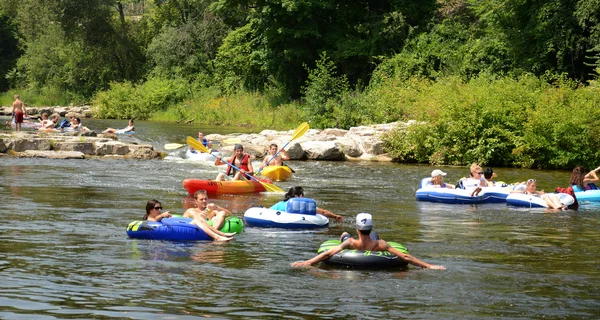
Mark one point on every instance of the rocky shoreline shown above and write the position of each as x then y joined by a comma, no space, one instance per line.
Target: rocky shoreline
73,146
362,143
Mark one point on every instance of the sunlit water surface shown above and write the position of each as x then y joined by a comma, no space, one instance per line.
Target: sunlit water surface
64,252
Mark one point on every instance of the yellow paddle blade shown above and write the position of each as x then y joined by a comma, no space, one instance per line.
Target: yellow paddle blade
196,144
173,146
271,187
300,131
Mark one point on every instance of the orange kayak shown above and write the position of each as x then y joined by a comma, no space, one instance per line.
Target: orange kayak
277,173
222,187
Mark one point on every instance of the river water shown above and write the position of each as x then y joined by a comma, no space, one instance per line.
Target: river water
64,253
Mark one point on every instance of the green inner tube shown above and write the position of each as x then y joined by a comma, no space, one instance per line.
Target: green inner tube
329,244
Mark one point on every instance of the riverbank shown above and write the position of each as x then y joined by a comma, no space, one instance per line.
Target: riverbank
82,111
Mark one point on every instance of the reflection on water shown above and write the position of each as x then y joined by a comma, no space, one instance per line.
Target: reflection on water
64,252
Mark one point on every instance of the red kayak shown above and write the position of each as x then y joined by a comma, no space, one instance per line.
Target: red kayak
222,187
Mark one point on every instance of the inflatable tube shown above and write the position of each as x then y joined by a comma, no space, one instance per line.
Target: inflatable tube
534,201
222,187
277,173
496,194
120,131
301,213
364,259
201,156
586,195
177,229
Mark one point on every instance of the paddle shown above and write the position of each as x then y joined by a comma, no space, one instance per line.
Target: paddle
299,132
198,146
173,146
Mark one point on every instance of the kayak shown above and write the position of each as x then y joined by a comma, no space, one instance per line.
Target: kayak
224,187
277,173
201,156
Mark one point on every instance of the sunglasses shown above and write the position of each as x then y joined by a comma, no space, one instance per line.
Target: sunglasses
530,180
158,208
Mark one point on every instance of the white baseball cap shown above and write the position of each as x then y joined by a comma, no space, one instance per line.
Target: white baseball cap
437,172
364,221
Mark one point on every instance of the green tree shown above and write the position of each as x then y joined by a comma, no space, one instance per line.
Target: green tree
9,51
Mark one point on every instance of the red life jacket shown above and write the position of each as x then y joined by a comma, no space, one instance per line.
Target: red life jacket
243,166
570,192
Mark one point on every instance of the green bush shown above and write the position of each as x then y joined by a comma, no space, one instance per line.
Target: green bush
124,100
499,122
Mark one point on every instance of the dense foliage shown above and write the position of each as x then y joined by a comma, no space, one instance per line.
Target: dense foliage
494,81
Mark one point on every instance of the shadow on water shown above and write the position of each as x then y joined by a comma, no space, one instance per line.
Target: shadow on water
64,252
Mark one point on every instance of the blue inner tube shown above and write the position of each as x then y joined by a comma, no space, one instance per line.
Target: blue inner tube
176,229
364,259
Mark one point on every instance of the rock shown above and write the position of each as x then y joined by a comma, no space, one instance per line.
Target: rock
62,111
295,151
144,153
350,147
83,147
335,132
112,148
22,144
3,147
54,154
323,150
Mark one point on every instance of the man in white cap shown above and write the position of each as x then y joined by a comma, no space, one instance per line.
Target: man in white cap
364,224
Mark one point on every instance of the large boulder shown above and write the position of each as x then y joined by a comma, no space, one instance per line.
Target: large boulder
144,153
22,144
323,150
83,147
3,147
295,151
111,147
350,147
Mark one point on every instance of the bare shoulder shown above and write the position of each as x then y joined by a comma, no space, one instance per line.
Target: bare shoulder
382,245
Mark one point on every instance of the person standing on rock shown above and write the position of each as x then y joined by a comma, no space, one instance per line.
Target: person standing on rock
18,112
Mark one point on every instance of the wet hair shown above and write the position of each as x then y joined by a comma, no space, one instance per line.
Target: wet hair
577,176
201,191
17,96
45,114
131,120
293,192
149,206
273,145
78,120
488,173
238,146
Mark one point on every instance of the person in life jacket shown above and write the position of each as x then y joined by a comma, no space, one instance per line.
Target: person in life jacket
240,160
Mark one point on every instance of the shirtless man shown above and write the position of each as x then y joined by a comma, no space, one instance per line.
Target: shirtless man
18,111
278,160
207,211
364,224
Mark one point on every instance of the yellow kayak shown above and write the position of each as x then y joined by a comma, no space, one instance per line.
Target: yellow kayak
277,173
